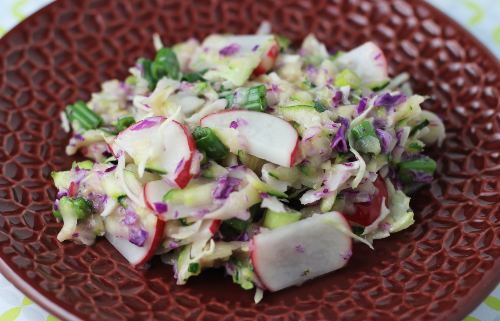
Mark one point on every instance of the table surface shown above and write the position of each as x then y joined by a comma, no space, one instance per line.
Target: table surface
481,17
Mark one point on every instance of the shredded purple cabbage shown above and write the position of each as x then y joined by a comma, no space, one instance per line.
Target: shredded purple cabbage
390,102
62,193
78,137
179,166
337,98
264,195
130,217
138,236
255,48
339,141
225,186
160,207
146,123
421,177
229,50
110,169
385,139
234,124
362,105
393,176
201,213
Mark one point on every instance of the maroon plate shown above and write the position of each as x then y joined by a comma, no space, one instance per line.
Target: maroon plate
439,269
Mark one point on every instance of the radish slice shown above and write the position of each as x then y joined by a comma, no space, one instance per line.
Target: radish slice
138,255
154,192
367,61
166,148
268,137
294,253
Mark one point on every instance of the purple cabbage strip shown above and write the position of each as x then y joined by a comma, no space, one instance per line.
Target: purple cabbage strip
362,105
264,195
160,207
146,123
384,138
225,186
229,50
110,169
138,236
337,98
179,166
339,141
234,124
390,102
130,217
255,48
393,176
421,177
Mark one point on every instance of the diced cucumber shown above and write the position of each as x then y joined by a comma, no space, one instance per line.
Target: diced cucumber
274,220
304,115
213,170
112,187
87,164
62,179
77,207
326,203
191,196
250,161
347,78
262,187
154,169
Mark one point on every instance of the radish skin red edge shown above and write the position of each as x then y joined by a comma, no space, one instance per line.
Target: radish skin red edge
185,176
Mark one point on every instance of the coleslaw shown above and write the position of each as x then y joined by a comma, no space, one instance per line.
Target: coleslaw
241,152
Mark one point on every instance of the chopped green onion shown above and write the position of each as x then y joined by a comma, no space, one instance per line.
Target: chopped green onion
80,113
416,172
415,146
232,228
122,200
124,122
358,230
283,42
380,85
422,164
165,64
253,98
365,139
184,221
194,267
347,78
208,143
419,126
319,106
194,76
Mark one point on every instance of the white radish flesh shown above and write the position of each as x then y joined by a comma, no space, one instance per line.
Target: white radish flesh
294,253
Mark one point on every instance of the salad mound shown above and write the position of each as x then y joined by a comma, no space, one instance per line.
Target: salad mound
240,152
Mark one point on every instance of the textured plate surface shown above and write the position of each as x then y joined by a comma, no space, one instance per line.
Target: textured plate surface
440,269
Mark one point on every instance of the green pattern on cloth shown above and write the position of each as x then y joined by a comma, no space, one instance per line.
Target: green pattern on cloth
481,17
